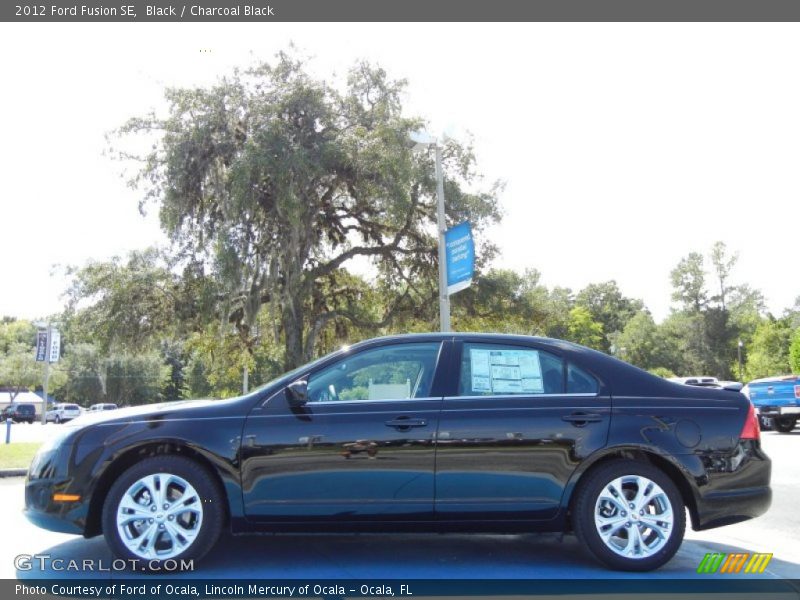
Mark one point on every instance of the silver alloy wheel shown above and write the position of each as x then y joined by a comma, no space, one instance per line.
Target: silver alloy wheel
633,516
159,516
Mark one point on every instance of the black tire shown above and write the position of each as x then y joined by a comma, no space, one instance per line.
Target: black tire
785,424
58,419
587,501
212,512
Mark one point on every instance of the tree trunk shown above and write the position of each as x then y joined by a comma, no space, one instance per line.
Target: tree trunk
293,332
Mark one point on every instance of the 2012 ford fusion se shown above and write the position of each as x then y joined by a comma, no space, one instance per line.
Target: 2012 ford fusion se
428,432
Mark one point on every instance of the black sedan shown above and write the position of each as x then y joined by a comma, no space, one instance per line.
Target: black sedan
431,432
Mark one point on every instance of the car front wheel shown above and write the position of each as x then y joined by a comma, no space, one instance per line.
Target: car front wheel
784,424
165,507
629,515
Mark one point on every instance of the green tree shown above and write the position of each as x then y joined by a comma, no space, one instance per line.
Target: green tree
582,329
85,375
176,387
118,305
275,180
768,354
609,307
19,370
723,264
747,307
712,325
505,301
685,344
133,379
641,342
794,352
560,302
16,331
689,283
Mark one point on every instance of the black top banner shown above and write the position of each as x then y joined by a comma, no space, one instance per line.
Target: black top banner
404,10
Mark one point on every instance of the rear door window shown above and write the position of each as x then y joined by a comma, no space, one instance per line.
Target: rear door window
500,370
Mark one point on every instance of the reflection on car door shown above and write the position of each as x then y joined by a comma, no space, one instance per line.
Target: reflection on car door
361,447
509,439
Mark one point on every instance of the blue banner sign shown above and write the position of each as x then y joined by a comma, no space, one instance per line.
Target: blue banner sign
41,346
460,252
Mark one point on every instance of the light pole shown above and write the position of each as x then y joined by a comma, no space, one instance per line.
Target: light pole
739,352
421,140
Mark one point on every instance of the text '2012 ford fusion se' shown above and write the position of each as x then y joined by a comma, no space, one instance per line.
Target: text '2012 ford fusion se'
428,432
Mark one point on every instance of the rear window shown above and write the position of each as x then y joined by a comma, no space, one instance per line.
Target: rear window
72,407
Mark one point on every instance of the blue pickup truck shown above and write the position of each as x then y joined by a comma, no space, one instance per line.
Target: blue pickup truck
777,401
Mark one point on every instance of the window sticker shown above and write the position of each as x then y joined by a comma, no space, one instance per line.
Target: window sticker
506,371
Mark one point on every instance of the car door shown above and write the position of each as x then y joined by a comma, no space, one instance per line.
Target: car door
360,448
520,421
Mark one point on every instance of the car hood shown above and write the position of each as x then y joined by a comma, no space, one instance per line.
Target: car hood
133,413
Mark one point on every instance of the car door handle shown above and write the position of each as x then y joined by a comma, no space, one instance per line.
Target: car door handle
406,422
579,419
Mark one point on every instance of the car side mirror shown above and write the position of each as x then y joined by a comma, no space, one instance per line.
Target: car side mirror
297,392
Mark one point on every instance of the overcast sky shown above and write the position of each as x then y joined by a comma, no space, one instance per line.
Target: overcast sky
623,146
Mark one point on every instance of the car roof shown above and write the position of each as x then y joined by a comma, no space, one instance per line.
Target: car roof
626,379
462,335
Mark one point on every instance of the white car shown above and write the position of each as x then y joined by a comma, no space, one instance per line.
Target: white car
701,381
102,406
63,412
705,381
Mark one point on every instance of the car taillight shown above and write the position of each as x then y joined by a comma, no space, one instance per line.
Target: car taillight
751,430
797,391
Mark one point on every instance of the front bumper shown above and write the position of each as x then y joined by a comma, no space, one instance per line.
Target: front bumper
47,477
43,511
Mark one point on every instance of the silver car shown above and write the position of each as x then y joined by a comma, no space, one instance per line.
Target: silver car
61,413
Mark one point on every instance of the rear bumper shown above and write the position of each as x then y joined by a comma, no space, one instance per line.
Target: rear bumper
724,508
778,411
737,488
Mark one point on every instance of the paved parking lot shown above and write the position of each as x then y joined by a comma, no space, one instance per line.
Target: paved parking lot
543,556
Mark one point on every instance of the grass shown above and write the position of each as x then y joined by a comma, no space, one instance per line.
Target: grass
17,455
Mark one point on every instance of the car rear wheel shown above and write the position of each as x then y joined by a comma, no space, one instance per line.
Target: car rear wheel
165,507
629,515
785,424
58,419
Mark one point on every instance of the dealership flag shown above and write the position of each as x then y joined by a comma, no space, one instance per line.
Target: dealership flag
460,251
55,346
41,346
